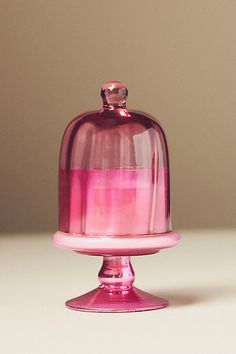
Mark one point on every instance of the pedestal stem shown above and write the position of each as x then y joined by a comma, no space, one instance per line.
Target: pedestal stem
116,292
116,273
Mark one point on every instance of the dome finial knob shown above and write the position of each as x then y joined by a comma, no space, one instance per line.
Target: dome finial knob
114,94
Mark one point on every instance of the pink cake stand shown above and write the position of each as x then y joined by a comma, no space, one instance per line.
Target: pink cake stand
114,198
116,292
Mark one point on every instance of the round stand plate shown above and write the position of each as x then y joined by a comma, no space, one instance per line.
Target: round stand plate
122,245
104,300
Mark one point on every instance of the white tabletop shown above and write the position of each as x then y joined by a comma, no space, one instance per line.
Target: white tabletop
198,277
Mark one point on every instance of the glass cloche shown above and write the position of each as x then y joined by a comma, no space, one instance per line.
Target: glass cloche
114,198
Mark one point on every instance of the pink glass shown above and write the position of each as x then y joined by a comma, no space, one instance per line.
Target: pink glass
114,198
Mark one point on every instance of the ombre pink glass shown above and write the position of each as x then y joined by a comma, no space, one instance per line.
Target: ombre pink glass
114,198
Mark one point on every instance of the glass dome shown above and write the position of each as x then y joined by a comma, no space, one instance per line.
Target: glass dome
114,172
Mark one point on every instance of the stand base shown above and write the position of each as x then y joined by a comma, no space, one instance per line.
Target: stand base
103,299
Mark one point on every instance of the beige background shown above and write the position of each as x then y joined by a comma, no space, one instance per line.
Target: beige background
178,60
